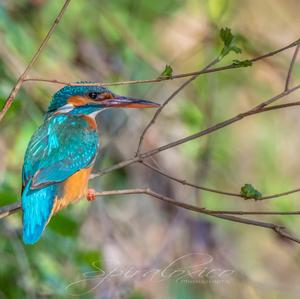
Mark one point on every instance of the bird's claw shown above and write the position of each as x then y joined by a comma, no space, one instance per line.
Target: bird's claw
91,195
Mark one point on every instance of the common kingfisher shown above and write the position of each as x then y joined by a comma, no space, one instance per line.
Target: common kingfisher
61,153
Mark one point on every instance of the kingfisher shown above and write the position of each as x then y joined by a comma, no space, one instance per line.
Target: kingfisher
62,151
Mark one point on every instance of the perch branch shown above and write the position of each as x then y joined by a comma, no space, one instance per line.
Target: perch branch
226,215
280,230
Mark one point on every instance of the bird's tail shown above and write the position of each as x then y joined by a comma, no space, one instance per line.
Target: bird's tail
37,208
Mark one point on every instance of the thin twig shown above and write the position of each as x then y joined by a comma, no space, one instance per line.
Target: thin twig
159,110
184,182
178,76
22,78
289,74
207,131
255,110
147,154
10,209
279,229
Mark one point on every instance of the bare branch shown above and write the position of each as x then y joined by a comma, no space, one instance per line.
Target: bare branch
158,111
10,209
184,182
207,131
255,110
22,78
226,215
289,74
178,76
282,232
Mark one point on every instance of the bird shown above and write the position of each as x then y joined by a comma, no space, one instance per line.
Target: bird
62,151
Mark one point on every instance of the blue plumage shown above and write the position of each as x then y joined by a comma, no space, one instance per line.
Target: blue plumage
63,145
37,207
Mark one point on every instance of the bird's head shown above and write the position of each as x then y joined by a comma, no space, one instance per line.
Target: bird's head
90,100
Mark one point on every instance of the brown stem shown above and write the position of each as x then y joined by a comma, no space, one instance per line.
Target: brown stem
159,110
226,215
22,78
178,76
289,74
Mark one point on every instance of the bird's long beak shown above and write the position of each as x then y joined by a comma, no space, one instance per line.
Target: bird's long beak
120,101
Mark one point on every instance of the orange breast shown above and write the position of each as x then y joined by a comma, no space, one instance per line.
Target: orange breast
74,188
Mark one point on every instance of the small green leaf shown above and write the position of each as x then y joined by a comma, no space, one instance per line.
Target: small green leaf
248,192
229,41
167,72
226,36
241,63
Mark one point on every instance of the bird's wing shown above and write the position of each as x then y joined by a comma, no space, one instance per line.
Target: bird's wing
63,145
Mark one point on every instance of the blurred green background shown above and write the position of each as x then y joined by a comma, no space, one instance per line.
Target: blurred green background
127,40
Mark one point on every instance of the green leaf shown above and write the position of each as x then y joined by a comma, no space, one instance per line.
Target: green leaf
226,36
167,72
241,63
249,192
229,41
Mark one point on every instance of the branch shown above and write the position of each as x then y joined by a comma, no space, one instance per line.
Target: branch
157,113
254,110
184,182
10,209
178,76
159,110
257,109
22,78
226,193
280,230
289,74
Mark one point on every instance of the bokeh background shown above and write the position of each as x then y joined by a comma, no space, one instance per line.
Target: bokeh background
127,40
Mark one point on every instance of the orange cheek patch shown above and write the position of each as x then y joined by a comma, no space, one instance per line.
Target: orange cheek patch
77,100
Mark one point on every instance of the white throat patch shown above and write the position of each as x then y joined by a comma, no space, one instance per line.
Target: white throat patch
94,114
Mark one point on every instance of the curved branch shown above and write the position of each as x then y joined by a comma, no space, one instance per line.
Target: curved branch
10,209
22,78
289,74
226,215
178,76
175,93
184,182
257,109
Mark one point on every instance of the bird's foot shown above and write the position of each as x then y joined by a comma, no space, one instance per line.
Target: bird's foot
91,195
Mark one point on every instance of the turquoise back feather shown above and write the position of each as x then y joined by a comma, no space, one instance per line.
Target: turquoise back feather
37,207
59,148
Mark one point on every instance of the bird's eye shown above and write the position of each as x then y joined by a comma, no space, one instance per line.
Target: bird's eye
93,95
